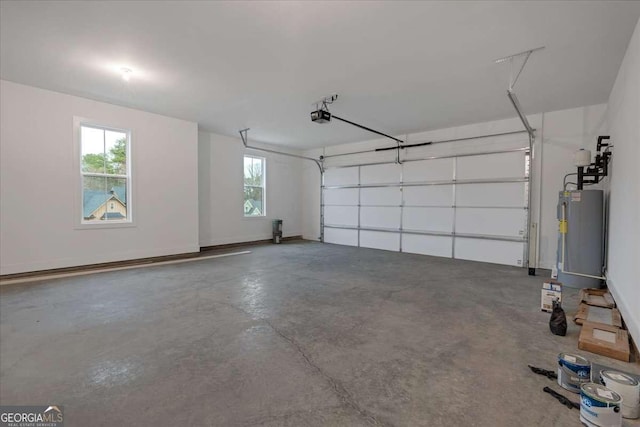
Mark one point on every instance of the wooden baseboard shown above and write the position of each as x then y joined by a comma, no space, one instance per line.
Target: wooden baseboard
251,243
204,251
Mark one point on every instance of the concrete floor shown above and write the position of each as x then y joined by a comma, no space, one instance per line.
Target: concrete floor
295,334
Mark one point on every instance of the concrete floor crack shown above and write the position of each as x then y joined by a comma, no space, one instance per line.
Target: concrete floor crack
342,393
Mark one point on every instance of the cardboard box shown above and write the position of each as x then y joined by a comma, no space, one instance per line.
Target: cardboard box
600,315
551,290
597,297
605,340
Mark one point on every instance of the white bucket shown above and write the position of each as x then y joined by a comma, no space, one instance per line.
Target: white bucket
627,387
573,371
599,406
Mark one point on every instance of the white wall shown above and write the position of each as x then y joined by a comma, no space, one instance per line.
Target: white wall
559,134
624,199
221,194
38,173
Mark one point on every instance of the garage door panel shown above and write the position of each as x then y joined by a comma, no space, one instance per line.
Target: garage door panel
427,245
380,174
380,217
341,215
430,195
503,165
380,240
508,194
341,237
341,176
341,196
391,196
493,251
496,222
428,219
428,170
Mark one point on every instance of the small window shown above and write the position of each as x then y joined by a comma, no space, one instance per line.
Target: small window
105,174
254,183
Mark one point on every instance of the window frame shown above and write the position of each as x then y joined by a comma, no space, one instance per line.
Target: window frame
79,222
264,186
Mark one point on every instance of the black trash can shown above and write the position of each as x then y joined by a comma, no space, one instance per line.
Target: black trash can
277,230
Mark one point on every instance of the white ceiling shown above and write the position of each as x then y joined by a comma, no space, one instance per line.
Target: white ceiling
398,67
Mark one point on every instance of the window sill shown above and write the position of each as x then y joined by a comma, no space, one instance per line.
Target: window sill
102,226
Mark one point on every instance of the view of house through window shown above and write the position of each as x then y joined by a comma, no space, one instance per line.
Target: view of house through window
105,174
254,183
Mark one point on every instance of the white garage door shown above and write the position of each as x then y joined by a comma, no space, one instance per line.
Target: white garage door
468,207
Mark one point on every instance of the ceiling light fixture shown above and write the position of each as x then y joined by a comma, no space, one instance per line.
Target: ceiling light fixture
126,73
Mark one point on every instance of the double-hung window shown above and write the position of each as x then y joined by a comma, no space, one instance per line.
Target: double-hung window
254,186
106,174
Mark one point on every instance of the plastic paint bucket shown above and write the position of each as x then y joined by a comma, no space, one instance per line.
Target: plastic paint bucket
573,371
599,406
627,387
